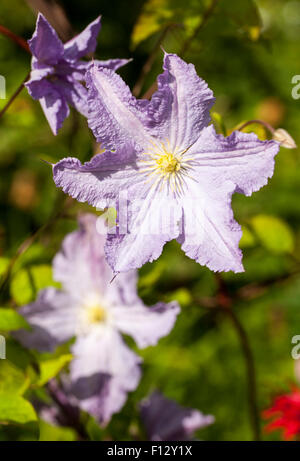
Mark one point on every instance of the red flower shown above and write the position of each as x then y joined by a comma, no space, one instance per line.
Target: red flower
285,414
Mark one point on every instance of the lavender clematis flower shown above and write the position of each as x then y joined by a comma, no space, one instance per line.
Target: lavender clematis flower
171,176
103,369
57,70
165,420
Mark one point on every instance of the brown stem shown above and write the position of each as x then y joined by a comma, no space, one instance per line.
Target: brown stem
225,303
15,38
207,14
150,61
260,122
13,97
251,376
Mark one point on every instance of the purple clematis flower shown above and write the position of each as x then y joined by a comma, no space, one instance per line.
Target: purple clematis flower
58,70
170,175
96,312
165,420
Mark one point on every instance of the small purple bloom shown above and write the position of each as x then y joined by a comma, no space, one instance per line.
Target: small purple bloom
165,420
57,70
170,175
96,312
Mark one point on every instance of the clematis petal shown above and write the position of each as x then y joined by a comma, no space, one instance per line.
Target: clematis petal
82,250
38,86
165,420
99,181
113,64
115,116
74,93
123,289
152,219
52,318
187,110
241,158
103,352
146,324
78,69
210,235
55,108
45,44
84,43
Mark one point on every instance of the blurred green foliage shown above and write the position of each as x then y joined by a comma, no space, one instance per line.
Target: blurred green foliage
247,52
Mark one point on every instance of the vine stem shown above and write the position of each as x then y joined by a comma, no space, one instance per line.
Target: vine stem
15,38
13,97
260,122
225,303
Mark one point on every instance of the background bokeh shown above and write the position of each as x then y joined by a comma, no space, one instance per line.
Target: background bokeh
248,53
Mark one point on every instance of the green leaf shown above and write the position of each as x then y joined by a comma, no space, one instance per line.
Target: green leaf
157,15
11,320
15,409
49,433
273,233
248,239
27,283
182,296
4,262
12,379
50,368
94,431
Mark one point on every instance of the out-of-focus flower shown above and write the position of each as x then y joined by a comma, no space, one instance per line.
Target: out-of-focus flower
164,419
178,174
285,414
58,70
96,312
284,138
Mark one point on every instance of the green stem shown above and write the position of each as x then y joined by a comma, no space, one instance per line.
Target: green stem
260,122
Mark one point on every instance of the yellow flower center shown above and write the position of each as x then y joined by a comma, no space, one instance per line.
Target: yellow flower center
168,163
96,314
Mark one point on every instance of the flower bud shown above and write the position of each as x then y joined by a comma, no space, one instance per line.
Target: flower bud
284,138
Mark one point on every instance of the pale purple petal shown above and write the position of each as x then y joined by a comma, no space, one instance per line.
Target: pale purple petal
210,235
84,43
113,64
165,420
123,290
99,181
116,117
45,44
183,101
55,108
38,86
241,158
80,264
52,318
104,352
146,325
152,220
74,93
